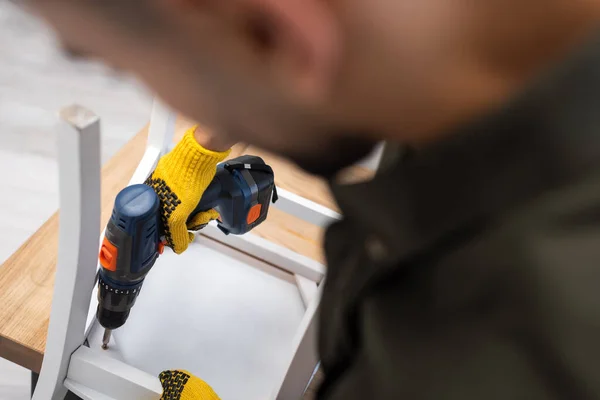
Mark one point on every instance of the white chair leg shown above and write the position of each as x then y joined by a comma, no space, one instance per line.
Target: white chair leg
162,127
305,209
79,171
160,137
305,356
308,289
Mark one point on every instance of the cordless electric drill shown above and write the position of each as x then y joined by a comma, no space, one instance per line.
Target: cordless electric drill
241,192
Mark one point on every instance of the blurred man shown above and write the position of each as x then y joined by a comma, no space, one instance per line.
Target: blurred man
469,270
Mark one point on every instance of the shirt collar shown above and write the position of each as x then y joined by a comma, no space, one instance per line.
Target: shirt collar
547,137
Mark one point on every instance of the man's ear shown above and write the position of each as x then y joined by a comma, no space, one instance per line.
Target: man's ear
306,36
297,41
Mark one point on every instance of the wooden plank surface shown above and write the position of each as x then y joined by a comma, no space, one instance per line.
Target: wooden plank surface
27,277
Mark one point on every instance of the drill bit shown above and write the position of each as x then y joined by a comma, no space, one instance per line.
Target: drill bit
106,338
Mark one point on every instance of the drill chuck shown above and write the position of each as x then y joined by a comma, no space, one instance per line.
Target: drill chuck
115,303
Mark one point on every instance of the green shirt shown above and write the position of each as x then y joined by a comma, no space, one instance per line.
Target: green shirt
471,270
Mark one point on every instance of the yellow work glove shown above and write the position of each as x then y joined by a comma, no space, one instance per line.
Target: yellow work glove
180,179
181,385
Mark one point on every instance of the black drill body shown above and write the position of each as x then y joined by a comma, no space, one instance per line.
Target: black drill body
241,192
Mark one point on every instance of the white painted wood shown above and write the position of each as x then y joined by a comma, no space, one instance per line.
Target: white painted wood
304,356
107,377
210,312
160,137
85,392
159,142
305,209
308,289
146,165
162,127
270,252
79,171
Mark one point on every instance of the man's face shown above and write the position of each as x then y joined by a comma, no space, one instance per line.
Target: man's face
316,80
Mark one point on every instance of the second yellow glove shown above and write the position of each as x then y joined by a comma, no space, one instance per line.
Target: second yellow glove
181,385
180,179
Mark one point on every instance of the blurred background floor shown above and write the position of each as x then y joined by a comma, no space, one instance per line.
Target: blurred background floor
36,80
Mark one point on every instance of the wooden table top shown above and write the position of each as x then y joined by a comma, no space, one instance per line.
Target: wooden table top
27,277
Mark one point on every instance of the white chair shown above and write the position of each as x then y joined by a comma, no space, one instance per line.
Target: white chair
237,311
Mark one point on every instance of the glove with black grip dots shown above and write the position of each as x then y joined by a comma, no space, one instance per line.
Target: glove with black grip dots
179,180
